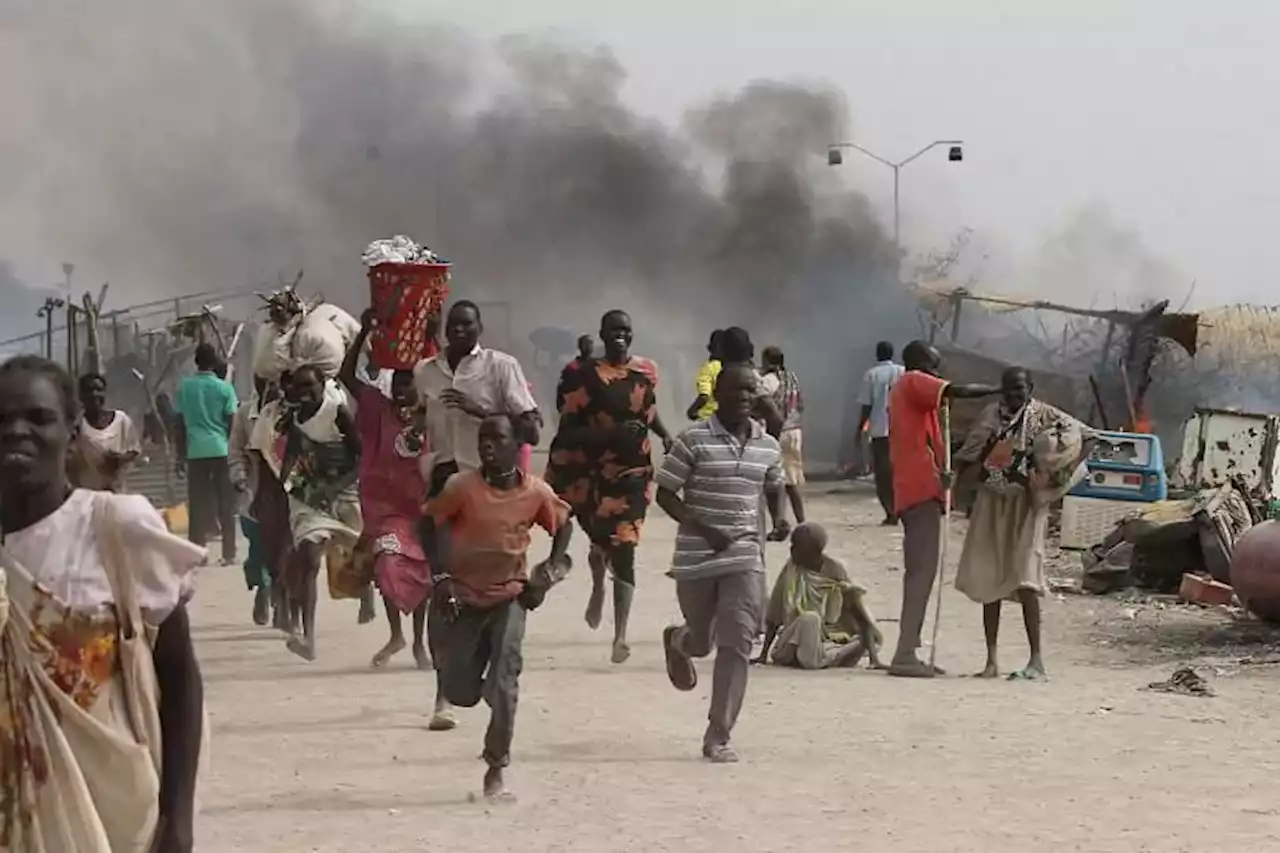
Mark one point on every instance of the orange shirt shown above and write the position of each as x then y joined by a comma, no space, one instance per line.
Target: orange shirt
489,532
915,439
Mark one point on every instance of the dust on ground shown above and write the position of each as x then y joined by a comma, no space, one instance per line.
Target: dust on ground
332,756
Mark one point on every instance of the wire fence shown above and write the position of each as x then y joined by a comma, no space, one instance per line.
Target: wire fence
127,330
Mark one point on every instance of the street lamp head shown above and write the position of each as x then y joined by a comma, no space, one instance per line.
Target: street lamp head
834,157
955,154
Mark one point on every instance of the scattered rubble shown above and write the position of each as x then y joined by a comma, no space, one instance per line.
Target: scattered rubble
1185,681
1197,590
1165,540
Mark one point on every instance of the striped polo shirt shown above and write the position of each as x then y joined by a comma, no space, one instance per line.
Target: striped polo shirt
722,481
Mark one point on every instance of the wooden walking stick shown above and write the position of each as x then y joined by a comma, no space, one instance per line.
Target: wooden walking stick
945,533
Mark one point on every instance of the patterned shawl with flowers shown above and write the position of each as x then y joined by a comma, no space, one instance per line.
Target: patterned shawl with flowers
1037,447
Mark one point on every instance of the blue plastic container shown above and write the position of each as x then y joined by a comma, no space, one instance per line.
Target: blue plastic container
1125,466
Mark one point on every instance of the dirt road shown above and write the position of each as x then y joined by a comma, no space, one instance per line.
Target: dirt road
334,757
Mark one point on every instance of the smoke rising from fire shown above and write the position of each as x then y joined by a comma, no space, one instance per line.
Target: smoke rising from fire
181,146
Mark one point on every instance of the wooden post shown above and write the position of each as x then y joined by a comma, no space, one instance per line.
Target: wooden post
93,347
1097,402
1106,345
72,343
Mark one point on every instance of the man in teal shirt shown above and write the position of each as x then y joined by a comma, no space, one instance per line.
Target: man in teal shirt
206,405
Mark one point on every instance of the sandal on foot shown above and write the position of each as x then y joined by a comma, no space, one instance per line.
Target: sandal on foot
1027,674
680,667
443,720
915,669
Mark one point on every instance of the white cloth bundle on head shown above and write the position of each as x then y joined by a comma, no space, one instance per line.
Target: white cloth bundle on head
320,337
271,351
323,337
398,250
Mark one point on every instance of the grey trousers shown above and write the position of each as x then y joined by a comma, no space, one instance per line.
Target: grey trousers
727,610
921,538
478,656
883,470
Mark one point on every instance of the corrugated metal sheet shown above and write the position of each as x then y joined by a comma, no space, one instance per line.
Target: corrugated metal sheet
153,478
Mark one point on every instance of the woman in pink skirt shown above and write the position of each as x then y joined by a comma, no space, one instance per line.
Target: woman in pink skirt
391,492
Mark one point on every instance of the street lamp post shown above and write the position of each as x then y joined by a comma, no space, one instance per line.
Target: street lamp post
835,157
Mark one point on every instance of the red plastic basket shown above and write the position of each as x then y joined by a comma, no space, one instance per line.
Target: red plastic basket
404,296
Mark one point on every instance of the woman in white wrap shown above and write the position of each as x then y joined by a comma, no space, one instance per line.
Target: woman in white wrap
101,700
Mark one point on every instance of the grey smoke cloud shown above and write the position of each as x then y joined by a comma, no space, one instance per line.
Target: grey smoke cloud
181,146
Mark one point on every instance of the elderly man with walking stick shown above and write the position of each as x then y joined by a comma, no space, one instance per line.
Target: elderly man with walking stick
920,458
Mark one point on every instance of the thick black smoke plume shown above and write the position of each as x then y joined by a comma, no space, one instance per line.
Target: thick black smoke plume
181,146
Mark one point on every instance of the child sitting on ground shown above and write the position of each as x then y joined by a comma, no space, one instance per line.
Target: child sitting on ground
816,613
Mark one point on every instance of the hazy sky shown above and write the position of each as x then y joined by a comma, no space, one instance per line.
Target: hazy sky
1161,110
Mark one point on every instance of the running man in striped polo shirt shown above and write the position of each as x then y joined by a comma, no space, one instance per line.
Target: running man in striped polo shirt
710,483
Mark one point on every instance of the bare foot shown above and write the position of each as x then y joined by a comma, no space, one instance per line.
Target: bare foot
393,647
988,671
720,753
848,655
420,657
495,790
621,651
302,647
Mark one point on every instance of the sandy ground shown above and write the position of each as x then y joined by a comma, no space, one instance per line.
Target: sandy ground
331,756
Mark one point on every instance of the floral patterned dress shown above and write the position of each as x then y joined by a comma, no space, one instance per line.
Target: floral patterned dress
606,482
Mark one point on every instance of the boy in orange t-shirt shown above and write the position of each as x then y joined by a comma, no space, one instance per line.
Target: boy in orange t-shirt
917,457
476,622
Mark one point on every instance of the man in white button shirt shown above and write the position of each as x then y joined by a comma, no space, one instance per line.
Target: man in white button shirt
876,386
460,387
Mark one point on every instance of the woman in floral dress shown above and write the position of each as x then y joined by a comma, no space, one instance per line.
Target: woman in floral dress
101,700
601,463
320,474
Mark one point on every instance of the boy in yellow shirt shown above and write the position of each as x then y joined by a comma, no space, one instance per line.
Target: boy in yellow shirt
704,406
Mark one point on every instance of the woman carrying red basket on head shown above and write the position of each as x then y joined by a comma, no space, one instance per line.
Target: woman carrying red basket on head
391,492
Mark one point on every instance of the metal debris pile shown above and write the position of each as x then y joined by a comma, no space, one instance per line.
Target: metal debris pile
1162,541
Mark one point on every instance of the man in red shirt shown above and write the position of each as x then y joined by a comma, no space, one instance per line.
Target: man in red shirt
920,482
